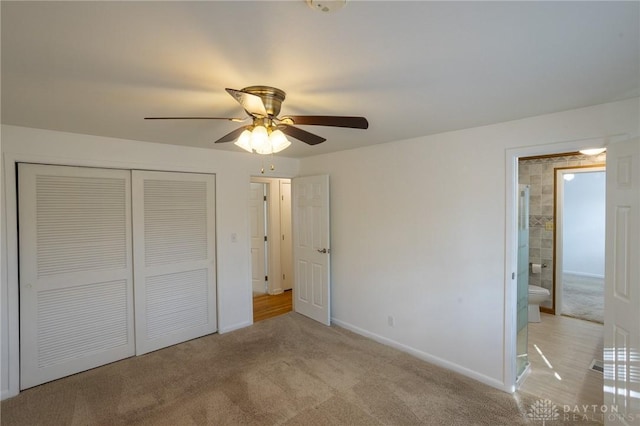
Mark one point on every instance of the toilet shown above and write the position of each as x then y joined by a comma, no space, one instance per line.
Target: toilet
537,295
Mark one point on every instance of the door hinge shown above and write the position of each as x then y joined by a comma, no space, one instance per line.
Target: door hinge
266,278
283,277
513,275
265,198
265,238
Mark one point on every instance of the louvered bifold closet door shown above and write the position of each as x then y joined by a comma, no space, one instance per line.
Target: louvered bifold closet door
174,258
76,289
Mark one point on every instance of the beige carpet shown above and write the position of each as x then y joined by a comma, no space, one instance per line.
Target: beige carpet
286,370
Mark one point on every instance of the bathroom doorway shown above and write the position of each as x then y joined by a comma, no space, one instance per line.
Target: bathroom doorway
557,369
580,242
540,173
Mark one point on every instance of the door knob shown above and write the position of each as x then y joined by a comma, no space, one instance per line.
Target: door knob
324,250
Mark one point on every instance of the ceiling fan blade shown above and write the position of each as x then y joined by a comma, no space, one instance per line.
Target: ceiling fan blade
236,120
329,120
232,135
302,135
251,103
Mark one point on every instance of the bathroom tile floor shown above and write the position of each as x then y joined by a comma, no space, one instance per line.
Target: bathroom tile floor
569,346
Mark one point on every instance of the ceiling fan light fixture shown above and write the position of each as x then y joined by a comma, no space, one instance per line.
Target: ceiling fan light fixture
260,140
244,141
278,141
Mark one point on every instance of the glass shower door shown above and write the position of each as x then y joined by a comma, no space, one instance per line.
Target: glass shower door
523,281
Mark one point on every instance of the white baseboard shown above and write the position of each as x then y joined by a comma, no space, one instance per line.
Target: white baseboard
234,327
6,393
425,356
583,274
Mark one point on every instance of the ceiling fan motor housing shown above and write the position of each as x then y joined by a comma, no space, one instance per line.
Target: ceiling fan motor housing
272,98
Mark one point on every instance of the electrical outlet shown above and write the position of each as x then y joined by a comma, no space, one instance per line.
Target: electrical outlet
391,321
548,226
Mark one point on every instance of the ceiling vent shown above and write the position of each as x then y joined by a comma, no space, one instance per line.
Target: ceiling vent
326,6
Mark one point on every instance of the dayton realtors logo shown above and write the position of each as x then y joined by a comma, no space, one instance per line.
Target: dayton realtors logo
543,410
600,413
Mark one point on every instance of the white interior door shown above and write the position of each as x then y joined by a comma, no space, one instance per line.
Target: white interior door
76,294
311,249
257,220
622,283
174,258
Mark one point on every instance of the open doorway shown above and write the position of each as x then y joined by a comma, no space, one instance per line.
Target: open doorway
560,350
271,247
540,173
580,242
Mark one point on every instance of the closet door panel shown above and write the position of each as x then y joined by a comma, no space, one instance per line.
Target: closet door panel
174,258
76,288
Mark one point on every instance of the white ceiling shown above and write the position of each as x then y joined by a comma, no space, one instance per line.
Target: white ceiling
412,68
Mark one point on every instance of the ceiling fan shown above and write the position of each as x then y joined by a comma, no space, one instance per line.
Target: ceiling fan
266,133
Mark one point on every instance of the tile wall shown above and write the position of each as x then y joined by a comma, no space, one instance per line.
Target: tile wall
539,174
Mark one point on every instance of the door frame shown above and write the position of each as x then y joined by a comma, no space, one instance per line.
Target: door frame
10,226
511,239
558,218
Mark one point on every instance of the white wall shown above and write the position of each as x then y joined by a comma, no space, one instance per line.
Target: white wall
418,227
418,233
583,224
233,171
